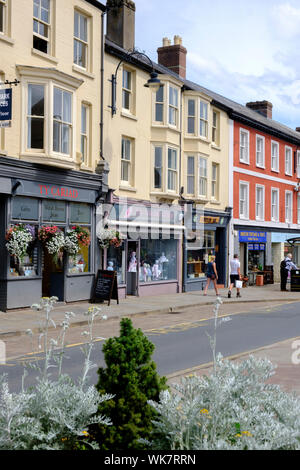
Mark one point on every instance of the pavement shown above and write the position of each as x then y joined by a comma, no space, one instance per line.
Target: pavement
14,323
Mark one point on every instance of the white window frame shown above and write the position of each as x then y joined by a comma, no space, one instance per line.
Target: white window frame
275,144
127,91
128,161
298,208
40,21
260,163
246,148
173,107
276,217
215,131
288,164
215,181
67,83
191,116
203,118
259,210
159,103
79,40
4,7
289,210
161,147
298,164
85,133
172,172
202,176
244,216
190,176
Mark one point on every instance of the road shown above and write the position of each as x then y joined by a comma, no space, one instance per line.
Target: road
181,340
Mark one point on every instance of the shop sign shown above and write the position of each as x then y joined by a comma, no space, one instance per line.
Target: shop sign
57,191
252,236
5,105
204,219
52,191
256,246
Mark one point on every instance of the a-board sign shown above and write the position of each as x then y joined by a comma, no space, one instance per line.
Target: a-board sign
106,286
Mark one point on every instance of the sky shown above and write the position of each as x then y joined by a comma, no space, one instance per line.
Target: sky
246,50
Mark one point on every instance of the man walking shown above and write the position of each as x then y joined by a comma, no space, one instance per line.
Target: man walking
285,267
235,275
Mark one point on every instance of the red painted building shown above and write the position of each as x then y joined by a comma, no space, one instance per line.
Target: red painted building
265,196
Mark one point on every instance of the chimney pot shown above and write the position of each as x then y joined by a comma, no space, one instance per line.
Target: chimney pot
262,107
166,42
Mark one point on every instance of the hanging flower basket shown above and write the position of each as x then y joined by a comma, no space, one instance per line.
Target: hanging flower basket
53,240
75,238
109,237
18,239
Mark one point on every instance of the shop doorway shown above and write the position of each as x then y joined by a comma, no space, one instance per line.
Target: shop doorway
133,261
52,277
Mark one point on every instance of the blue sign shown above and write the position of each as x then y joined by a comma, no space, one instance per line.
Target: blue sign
5,104
256,246
252,236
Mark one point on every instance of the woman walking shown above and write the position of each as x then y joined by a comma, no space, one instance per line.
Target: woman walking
212,275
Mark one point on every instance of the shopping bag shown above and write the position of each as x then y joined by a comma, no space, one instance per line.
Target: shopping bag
239,284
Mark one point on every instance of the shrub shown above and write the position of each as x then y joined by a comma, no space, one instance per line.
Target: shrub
131,377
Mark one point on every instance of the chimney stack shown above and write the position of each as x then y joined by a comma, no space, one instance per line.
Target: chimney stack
173,56
262,107
121,23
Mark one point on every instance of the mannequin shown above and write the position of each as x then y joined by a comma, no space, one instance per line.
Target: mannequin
155,270
110,266
132,263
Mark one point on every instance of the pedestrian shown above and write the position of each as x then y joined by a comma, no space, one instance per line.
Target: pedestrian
286,266
235,275
212,275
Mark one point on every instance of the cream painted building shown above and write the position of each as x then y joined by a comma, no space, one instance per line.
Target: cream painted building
51,172
163,148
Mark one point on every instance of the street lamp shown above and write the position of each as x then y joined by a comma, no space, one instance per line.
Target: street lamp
153,83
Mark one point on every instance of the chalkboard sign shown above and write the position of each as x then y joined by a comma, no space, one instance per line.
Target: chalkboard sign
106,286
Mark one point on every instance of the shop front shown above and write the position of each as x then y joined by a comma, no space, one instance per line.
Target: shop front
46,201
253,252
149,258
207,238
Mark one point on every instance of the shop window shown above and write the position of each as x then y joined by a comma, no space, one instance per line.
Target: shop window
198,258
53,211
80,213
24,208
28,267
80,40
62,121
256,257
36,116
159,105
116,260
203,118
41,25
80,263
158,260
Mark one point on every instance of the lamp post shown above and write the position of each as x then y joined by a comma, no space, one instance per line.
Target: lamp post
153,83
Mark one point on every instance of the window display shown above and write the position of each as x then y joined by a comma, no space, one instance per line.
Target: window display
116,261
256,257
158,260
198,258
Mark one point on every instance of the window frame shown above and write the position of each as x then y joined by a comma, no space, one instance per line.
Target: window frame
202,177
129,91
247,147
172,171
203,119
298,164
298,208
215,128
159,103
262,139
157,146
174,107
85,136
39,21
242,215
275,219
78,40
275,144
4,8
190,176
288,169
129,161
215,181
287,220
191,116
260,212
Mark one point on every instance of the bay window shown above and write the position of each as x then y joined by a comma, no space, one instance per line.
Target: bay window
159,105
36,116
203,118
191,116
190,175
172,170
158,167
62,121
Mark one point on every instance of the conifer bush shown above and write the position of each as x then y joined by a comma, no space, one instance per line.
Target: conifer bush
130,375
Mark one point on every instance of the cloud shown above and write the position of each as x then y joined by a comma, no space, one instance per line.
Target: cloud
287,18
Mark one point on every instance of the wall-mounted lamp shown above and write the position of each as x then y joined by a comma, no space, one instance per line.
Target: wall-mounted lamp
153,83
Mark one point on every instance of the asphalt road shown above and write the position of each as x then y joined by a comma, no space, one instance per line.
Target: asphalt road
182,345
